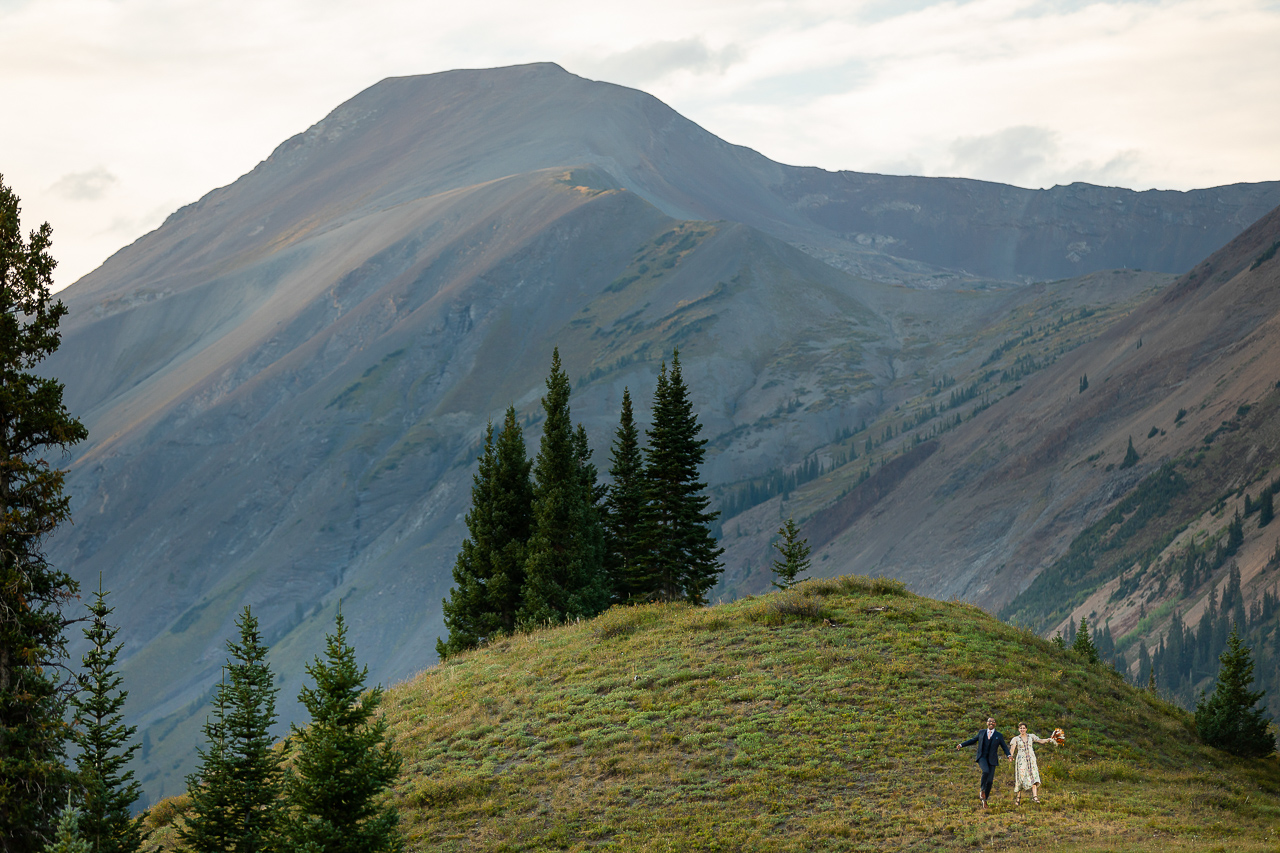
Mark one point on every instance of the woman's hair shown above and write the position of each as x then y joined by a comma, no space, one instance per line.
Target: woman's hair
1020,725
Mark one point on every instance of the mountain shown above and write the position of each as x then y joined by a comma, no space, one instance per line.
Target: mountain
797,722
286,384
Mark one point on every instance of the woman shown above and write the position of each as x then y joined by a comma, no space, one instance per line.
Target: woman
1026,773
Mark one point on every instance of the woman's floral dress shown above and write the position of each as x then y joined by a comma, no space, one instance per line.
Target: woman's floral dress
1025,770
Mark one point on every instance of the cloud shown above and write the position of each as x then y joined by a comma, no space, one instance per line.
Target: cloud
656,60
84,186
1016,155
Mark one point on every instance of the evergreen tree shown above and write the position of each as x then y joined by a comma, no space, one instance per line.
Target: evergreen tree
683,556
1130,456
1228,718
1235,536
1266,507
236,790
342,760
624,539
33,420
564,571
67,837
795,556
1083,643
488,574
104,742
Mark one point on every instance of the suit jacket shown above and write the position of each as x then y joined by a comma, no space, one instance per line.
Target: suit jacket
988,747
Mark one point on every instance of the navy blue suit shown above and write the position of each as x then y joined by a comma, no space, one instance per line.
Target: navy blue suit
988,756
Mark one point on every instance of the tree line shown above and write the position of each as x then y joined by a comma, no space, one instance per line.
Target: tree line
548,543
64,746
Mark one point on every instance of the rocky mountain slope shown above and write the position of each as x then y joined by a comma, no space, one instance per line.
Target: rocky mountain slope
285,385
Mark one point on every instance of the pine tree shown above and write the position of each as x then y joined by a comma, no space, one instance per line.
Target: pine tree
624,540
104,742
564,570
1130,456
1083,643
1228,718
683,556
1266,507
795,556
235,792
1235,536
342,761
33,420
488,574
67,837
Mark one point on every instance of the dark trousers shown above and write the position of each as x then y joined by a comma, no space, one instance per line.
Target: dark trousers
988,778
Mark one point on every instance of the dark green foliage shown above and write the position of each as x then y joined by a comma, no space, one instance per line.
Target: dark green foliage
1182,413
67,837
1228,718
1235,535
235,792
1265,256
795,556
342,761
624,540
1266,507
32,647
1083,643
1058,642
488,574
109,788
1130,456
1084,383
564,571
683,556
1152,434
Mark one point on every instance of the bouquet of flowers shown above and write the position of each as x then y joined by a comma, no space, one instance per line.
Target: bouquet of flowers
1059,736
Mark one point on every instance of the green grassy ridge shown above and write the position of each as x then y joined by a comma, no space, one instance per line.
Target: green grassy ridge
819,719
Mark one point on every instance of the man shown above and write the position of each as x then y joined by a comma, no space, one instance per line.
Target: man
989,742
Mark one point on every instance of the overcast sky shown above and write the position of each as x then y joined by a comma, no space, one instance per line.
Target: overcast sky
117,112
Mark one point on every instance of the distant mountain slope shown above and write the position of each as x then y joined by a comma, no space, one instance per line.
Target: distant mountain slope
1005,493
286,383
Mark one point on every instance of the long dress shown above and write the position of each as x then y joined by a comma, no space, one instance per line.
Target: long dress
1025,770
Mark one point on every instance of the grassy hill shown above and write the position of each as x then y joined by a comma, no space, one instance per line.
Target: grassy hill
823,718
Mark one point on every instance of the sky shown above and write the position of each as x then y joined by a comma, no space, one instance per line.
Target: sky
117,112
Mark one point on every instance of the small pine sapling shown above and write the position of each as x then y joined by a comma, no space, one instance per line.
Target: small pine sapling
795,556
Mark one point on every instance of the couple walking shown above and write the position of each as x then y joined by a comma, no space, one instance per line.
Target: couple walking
1026,772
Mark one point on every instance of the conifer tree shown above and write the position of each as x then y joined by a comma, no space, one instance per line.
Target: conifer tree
564,571
1266,507
625,501
683,556
1228,718
1083,643
67,837
795,556
1130,456
342,761
488,574
33,420
1235,536
104,742
235,792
